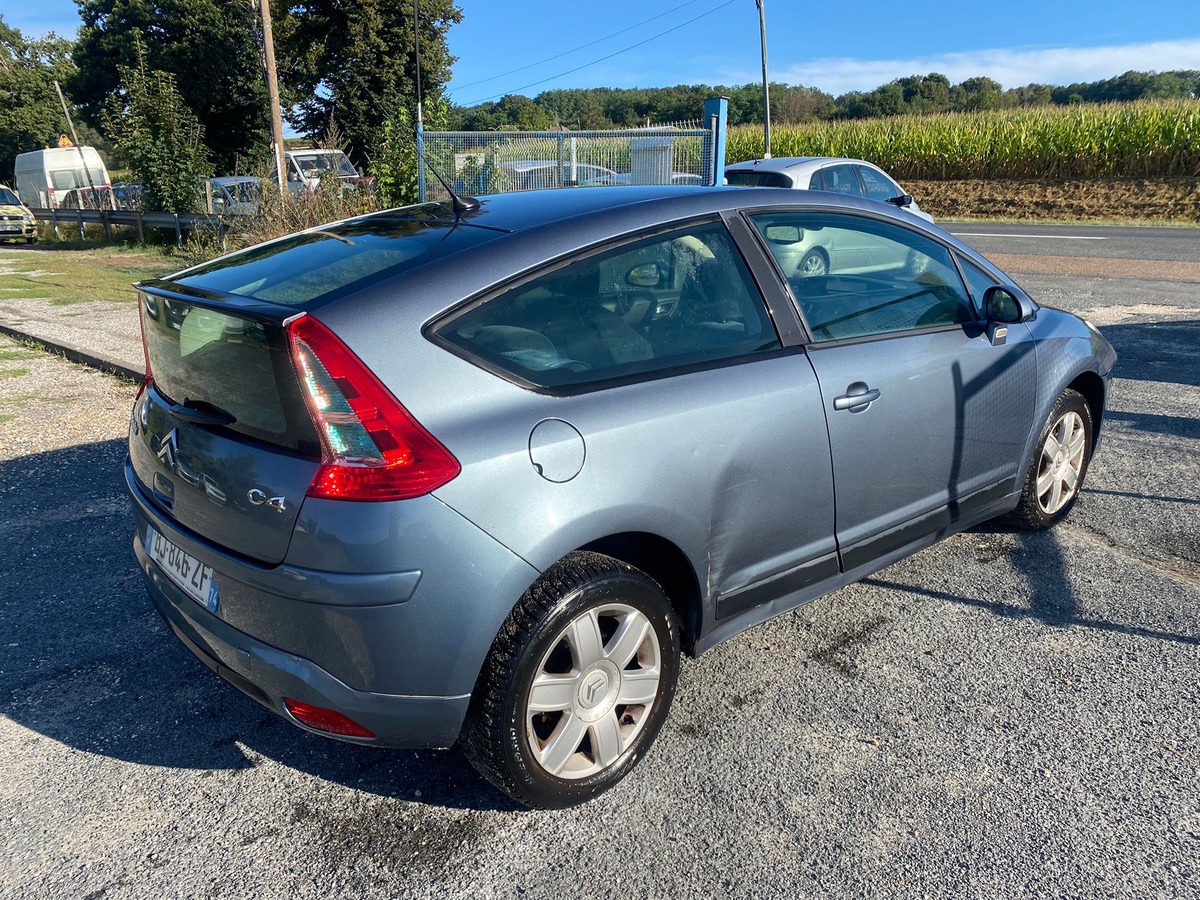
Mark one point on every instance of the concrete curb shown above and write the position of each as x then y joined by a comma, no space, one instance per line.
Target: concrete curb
74,354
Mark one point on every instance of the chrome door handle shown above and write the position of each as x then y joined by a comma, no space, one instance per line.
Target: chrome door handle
857,397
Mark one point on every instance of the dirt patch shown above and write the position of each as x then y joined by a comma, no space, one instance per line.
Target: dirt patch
1099,267
1100,199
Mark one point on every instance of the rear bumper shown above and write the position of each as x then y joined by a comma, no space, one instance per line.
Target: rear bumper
268,675
396,651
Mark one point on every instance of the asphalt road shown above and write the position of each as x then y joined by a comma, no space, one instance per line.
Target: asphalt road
1003,715
1096,241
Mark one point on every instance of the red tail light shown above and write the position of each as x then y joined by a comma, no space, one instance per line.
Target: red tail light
328,720
372,448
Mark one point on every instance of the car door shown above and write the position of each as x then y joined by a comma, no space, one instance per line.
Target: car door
927,416
699,425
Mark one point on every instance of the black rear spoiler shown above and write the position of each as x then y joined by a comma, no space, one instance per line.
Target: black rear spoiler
220,301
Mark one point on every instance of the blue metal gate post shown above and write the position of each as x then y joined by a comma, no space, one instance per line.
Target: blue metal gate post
716,116
420,162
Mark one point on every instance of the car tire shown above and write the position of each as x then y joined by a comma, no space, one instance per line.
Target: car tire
577,683
1059,465
814,262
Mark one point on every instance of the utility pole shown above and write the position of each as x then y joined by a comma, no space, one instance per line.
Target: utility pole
420,116
87,173
264,7
762,28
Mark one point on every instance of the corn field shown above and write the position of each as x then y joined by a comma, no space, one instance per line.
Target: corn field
1141,140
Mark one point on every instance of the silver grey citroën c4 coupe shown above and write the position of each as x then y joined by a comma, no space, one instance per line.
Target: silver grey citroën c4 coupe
479,472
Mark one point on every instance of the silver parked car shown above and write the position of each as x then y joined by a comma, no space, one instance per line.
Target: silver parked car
478,472
853,177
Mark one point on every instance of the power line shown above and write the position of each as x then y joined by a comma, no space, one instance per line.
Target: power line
605,58
577,49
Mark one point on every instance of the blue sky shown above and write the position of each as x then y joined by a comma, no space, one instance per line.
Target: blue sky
830,46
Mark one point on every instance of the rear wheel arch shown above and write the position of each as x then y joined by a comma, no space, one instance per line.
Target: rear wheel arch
663,561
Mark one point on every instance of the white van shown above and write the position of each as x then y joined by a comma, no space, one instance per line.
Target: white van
47,178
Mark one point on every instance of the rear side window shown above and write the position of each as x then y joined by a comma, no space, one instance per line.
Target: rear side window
671,300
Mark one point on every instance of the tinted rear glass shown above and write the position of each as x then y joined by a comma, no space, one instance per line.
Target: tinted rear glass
751,178
202,357
309,269
680,299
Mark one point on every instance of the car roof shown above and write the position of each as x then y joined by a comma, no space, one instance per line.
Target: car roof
534,228
234,179
791,163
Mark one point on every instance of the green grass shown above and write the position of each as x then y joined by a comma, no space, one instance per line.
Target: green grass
78,275
13,355
13,373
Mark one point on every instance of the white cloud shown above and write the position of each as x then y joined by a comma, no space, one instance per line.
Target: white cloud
1010,67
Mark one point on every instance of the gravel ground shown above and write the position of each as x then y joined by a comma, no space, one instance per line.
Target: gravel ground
1003,715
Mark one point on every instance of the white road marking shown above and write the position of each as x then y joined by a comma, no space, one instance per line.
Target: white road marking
1038,237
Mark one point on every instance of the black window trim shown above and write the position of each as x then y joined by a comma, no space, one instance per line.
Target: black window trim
546,268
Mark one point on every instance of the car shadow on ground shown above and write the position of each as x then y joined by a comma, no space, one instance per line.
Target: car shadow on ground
89,663
1039,558
1157,351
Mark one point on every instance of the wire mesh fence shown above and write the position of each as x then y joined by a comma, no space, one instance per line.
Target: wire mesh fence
492,162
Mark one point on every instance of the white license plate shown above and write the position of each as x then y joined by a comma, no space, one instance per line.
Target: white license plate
10,227
193,576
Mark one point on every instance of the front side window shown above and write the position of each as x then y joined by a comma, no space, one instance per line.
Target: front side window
878,187
856,277
978,281
680,299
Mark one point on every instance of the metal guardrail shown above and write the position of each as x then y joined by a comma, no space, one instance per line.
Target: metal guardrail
179,222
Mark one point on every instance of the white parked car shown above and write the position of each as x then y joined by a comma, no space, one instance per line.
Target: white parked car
855,177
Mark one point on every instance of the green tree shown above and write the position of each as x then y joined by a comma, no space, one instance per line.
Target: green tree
30,114
980,92
353,63
158,137
210,46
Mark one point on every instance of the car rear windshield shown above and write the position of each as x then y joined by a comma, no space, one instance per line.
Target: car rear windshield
751,178
310,269
217,362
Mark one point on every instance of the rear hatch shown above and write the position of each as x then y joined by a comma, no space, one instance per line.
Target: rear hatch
223,439
223,443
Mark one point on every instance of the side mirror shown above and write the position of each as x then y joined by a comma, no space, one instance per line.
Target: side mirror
1001,305
1002,308
784,234
647,275
902,201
